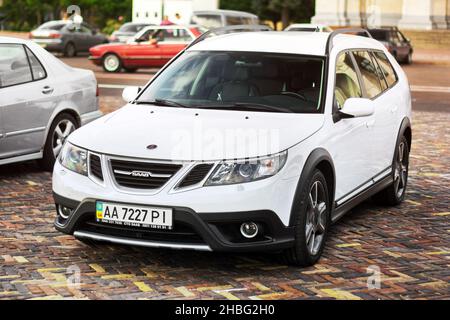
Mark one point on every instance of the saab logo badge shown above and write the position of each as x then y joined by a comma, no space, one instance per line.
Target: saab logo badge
152,147
142,174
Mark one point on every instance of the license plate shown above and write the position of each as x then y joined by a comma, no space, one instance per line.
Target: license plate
134,216
43,45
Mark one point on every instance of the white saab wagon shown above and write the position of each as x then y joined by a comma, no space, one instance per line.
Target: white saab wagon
246,141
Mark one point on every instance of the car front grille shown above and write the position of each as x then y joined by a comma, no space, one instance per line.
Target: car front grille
196,175
95,166
143,175
181,233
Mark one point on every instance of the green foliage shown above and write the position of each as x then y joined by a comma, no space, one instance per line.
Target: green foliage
23,15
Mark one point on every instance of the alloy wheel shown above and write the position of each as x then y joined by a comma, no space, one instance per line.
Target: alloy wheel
62,130
316,218
112,63
401,170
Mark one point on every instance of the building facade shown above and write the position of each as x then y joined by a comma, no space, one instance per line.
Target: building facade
178,11
406,14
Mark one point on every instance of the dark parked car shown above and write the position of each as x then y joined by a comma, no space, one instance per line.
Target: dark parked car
394,40
66,37
127,31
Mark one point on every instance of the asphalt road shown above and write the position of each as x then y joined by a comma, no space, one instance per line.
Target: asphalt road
402,252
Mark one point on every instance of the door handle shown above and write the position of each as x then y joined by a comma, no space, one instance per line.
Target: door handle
47,90
394,109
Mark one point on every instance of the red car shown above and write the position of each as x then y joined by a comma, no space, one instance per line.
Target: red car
152,47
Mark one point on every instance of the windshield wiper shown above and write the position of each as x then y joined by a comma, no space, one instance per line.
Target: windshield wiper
164,103
250,106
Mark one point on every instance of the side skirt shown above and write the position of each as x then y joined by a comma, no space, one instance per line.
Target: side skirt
341,210
26,157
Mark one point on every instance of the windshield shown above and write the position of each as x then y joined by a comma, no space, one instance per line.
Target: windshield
131,27
241,80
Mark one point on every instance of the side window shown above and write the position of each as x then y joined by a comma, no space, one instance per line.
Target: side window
173,35
347,83
368,73
380,73
37,69
14,66
233,20
386,68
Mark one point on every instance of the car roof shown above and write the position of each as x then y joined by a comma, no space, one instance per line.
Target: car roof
8,40
304,43
227,12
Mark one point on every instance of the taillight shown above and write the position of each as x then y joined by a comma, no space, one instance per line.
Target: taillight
55,35
30,35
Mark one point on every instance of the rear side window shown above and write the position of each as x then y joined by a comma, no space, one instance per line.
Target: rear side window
209,21
233,20
14,66
37,69
369,73
386,68
347,83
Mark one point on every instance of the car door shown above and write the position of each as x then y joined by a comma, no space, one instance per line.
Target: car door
382,122
145,51
350,139
174,40
27,101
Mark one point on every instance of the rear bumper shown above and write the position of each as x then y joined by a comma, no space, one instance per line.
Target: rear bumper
192,230
89,117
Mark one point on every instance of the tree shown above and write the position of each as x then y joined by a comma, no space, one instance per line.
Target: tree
27,14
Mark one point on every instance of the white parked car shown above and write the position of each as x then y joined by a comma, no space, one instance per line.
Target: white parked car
308,27
42,101
250,141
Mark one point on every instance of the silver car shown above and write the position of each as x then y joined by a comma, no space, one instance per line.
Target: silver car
42,101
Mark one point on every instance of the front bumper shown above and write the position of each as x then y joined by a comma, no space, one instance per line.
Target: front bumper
192,230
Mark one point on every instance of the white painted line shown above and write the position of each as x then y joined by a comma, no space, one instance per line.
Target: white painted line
111,86
430,89
413,88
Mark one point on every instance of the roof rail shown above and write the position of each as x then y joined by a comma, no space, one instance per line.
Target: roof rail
342,31
229,29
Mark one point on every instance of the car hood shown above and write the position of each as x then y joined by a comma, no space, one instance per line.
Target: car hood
166,133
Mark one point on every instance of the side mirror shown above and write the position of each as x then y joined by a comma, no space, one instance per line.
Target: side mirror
357,108
130,93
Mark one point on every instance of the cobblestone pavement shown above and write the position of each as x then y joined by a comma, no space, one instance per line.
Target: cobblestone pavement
409,244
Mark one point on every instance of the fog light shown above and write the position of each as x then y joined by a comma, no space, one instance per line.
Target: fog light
64,212
249,230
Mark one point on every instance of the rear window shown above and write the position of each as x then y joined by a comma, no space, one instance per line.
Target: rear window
380,35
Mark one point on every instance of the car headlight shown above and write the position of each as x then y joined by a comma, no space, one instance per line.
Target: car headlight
234,172
74,159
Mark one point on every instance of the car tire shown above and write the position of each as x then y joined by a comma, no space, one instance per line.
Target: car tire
70,50
312,222
395,193
112,63
409,58
63,125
